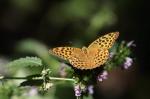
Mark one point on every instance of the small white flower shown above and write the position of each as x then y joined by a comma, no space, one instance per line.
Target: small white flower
131,43
48,85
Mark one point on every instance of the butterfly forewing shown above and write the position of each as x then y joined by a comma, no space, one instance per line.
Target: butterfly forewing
66,52
105,41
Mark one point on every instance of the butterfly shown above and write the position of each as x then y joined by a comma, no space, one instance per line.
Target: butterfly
95,55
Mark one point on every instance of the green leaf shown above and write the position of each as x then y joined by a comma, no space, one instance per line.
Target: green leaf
39,49
31,83
24,62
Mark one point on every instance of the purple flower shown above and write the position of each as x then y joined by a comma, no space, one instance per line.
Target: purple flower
131,43
128,62
77,90
102,76
90,89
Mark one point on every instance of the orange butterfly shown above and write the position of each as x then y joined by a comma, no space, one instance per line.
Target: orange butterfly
95,55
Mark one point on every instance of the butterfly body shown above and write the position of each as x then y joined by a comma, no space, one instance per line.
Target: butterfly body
95,55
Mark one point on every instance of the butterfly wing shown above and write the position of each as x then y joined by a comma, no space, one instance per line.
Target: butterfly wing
101,57
81,62
99,49
76,56
90,61
105,41
66,52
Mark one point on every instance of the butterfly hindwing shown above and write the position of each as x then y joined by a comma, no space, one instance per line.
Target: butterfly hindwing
92,60
101,57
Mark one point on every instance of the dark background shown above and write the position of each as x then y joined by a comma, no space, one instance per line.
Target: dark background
67,22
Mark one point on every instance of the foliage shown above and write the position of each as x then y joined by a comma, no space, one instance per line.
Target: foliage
27,61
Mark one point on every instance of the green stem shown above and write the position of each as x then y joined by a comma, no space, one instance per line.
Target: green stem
78,97
38,78
63,79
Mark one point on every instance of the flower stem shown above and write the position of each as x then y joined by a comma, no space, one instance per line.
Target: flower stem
63,79
37,78
78,97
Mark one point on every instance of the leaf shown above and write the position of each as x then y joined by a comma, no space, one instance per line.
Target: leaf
31,83
24,62
34,76
39,49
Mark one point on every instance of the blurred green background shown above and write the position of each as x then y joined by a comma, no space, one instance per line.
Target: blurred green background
52,23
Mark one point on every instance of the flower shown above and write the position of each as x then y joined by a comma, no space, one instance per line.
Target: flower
131,43
111,54
102,76
90,89
128,62
48,85
77,90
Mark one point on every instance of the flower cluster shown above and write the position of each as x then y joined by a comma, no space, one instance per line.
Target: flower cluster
102,76
77,90
128,62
